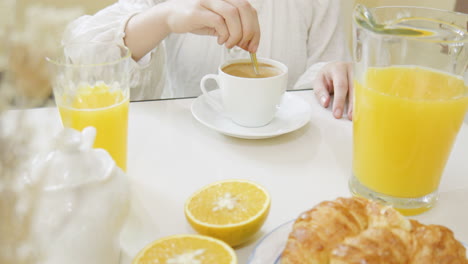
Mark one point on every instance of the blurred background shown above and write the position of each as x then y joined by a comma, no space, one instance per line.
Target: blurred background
39,25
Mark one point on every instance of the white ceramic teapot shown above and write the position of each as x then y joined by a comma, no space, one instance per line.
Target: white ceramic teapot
83,202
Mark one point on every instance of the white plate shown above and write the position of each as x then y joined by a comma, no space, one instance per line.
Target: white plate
293,113
269,248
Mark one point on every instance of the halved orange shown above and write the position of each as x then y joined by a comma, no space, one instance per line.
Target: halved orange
178,249
230,210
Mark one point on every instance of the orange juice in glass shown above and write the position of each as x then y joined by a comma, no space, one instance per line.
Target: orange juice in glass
410,99
94,91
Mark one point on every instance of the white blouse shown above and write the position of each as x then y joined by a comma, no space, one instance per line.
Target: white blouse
303,34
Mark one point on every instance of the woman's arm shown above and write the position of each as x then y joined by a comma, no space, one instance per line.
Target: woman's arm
107,25
234,22
142,26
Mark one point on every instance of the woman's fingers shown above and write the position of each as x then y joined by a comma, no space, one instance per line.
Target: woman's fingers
231,17
215,25
234,22
241,21
335,78
321,90
350,92
250,25
339,75
254,43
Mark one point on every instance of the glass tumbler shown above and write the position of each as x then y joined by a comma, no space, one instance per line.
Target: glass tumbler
91,88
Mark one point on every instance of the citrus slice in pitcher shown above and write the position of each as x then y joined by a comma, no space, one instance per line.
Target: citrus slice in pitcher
187,249
230,210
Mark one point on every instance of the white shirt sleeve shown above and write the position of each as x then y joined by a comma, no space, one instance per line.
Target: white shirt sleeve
108,26
327,40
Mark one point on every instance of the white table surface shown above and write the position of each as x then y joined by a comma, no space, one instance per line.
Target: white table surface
171,155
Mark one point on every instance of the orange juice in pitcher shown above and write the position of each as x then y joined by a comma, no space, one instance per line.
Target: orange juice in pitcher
410,99
398,150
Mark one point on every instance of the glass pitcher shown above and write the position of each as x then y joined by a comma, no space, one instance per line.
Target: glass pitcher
410,99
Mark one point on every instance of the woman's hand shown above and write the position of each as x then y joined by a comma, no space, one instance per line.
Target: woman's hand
335,78
234,22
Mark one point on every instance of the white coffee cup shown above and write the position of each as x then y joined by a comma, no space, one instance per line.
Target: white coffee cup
249,102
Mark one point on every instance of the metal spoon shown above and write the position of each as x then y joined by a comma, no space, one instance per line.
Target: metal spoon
365,18
253,58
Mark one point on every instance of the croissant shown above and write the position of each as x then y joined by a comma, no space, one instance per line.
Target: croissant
359,231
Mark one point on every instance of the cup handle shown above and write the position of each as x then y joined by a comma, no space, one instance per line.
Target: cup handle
209,99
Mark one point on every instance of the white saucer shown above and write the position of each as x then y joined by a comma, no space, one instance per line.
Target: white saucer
293,113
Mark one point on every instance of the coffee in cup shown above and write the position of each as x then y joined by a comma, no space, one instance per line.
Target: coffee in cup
246,70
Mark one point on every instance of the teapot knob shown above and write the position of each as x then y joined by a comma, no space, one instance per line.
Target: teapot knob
88,135
71,140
